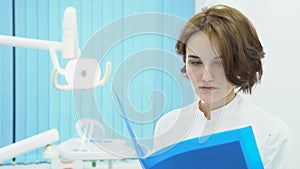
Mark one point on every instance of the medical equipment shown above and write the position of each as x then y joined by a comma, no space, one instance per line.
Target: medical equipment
28,144
88,146
80,73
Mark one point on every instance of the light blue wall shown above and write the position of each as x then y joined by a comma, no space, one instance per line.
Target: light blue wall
6,77
38,105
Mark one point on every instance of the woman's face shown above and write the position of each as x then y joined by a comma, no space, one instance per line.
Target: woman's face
205,70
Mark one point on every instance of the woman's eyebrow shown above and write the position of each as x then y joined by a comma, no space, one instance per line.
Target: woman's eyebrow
217,57
193,56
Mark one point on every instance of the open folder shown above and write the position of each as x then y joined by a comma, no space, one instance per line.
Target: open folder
232,149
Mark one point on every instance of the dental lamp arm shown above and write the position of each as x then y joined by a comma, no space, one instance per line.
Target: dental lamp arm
30,43
106,75
29,144
69,45
70,35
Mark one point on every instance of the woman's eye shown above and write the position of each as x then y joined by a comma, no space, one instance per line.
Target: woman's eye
195,62
219,63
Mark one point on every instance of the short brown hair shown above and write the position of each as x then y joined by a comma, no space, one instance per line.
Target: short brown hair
235,39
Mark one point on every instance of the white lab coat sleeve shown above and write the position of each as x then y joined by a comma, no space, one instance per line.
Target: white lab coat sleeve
277,149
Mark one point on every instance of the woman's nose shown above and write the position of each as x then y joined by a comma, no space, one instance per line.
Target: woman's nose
207,74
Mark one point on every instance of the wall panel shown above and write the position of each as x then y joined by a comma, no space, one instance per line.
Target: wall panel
6,76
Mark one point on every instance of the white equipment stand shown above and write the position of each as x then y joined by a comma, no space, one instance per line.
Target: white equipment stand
72,153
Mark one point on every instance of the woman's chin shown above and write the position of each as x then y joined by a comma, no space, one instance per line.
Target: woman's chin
207,98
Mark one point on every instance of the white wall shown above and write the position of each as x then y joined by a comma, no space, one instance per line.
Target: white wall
278,25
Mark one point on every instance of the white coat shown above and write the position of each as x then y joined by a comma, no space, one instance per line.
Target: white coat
271,134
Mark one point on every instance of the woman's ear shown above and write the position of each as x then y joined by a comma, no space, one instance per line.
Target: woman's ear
185,75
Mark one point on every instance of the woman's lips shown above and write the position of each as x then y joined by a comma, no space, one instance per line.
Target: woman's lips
207,88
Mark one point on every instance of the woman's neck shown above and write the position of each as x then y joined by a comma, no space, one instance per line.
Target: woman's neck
206,108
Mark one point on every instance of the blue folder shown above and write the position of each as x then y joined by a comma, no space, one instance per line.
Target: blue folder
232,149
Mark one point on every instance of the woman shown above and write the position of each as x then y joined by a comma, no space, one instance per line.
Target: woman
222,56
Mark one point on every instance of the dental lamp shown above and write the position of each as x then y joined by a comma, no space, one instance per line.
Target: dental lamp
79,72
